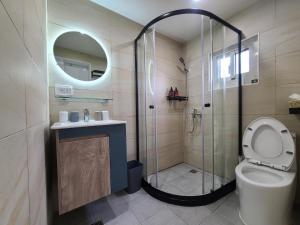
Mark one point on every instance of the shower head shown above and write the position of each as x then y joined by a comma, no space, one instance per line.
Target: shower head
184,66
182,60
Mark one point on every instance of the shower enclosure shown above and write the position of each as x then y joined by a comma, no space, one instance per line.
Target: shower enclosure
193,165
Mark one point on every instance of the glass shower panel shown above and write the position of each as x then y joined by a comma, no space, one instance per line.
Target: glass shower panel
207,116
142,134
146,106
224,105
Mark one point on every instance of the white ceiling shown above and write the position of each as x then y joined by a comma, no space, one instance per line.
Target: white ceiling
181,28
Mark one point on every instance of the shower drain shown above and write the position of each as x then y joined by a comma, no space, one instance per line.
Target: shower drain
193,171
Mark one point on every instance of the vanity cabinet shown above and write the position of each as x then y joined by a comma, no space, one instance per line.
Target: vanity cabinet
91,161
83,170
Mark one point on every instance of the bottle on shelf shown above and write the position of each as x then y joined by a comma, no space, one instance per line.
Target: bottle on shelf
171,92
176,92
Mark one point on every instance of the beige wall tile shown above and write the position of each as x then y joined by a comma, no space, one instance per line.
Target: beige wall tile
170,156
287,10
168,49
123,104
267,72
36,97
41,12
37,177
14,201
131,149
288,69
167,123
15,10
258,100
259,17
123,61
69,13
123,81
267,44
290,46
23,97
12,116
33,35
169,69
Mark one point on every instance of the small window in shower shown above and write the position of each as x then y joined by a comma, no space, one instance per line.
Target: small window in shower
226,63
249,61
245,61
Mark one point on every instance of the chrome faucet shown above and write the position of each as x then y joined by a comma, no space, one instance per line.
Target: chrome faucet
86,115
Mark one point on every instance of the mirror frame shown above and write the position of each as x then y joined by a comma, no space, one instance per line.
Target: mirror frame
105,47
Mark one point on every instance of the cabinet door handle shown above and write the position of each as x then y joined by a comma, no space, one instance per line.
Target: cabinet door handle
151,106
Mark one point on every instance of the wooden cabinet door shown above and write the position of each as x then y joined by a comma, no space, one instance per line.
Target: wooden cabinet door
83,171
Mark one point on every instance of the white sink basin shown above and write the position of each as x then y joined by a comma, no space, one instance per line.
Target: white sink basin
81,123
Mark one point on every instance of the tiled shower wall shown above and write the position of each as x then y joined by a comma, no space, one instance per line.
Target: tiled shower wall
221,144
119,33
23,112
169,113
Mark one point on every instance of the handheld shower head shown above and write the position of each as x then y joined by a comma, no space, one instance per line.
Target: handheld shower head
184,66
182,60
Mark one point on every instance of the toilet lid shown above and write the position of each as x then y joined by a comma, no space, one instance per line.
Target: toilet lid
268,142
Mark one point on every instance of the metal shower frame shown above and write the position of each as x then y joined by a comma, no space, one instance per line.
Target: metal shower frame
226,189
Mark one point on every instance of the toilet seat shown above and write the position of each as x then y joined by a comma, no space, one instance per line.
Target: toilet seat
268,142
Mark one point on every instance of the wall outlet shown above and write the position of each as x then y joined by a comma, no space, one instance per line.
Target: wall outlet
62,90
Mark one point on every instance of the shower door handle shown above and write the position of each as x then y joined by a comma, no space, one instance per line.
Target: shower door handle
151,106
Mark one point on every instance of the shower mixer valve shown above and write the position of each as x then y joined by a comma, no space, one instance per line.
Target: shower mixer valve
195,113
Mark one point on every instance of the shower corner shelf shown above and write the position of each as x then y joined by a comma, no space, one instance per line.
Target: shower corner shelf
90,99
294,110
177,98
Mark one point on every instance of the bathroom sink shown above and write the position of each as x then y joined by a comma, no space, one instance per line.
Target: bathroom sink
81,123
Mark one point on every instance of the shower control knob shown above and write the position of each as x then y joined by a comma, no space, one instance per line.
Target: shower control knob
151,106
206,105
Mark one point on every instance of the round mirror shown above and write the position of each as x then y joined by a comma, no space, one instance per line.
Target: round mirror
80,56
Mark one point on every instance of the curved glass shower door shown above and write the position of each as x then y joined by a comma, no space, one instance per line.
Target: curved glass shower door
222,116
147,106
188,144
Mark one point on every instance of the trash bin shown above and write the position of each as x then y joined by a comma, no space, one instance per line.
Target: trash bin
134,170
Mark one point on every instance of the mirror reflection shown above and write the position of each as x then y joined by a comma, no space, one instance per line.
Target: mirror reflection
80,56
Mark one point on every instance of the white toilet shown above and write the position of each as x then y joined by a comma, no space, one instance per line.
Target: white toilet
266,179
